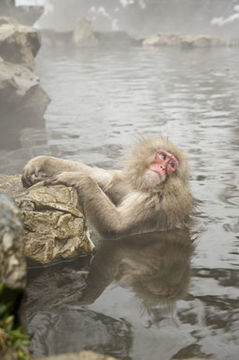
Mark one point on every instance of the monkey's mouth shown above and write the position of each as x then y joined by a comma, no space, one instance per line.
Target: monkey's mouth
156,177
161,174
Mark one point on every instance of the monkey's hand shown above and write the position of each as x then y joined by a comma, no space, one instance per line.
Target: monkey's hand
35,170
69,178
43,167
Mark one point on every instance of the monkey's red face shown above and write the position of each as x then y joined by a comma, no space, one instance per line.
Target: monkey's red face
164,164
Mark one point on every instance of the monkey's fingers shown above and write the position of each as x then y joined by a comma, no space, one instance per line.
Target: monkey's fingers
54,180
25,181
30,177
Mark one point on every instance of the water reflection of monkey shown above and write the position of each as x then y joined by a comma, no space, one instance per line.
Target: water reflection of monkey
156,266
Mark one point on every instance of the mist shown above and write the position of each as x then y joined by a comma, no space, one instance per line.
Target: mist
84,80
143,17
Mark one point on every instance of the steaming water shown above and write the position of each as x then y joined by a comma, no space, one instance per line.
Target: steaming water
102,101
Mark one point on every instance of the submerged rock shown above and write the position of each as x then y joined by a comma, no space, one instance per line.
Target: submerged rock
12,254
80,329
83,355
54,226
19,44
116,39
164,39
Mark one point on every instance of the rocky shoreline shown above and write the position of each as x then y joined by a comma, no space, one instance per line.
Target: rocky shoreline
83,35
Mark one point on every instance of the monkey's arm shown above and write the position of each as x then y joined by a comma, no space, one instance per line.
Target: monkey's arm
42,167
132,216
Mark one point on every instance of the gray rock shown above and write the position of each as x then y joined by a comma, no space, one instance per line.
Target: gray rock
12,254
21,96
22,100
80,329
18,43
116,39
164,39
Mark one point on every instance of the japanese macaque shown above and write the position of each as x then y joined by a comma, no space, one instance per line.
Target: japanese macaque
151,193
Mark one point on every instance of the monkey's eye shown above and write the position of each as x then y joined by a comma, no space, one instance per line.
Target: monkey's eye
172,164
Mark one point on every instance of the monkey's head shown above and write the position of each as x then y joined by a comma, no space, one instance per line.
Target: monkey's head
155,162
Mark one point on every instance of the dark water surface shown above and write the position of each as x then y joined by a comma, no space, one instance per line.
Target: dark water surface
150,297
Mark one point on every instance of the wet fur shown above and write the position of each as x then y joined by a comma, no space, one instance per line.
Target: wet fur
119,203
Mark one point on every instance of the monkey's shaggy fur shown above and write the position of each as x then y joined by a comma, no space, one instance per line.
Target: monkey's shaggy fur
123,202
